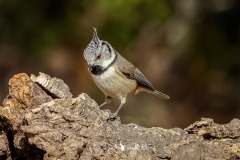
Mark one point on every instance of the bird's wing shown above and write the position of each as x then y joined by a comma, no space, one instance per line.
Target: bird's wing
141,79
131,72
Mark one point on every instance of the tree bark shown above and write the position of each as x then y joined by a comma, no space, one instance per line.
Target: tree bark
39,119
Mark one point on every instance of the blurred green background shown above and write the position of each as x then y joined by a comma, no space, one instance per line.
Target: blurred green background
188,49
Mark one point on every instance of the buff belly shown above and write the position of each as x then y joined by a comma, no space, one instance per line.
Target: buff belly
114,84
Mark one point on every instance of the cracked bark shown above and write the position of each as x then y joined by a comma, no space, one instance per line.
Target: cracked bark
39,119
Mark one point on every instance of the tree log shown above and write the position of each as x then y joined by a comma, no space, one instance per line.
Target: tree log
39,119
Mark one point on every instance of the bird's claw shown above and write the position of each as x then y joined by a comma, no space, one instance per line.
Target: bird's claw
113,116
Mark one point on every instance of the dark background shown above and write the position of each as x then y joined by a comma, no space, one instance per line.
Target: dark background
188,49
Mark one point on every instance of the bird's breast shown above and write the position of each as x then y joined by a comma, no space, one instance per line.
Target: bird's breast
114,84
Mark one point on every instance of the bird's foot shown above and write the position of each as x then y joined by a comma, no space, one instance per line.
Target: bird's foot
113,116
104,103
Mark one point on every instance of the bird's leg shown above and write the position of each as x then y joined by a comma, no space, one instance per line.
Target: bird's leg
114,115
108,99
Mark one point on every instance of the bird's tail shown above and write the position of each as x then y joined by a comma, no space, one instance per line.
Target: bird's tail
154,92
158,94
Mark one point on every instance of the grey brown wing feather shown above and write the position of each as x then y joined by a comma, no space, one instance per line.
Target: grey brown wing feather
142,80
131,72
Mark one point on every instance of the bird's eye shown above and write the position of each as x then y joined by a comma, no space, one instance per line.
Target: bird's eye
98,57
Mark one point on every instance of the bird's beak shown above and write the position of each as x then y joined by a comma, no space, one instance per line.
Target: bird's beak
90,67
93,69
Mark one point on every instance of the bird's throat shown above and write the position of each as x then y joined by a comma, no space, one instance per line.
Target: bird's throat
97,70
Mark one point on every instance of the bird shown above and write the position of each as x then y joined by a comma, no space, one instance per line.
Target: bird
115,76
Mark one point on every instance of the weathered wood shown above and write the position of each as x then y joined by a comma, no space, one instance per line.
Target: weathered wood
37,125
53,86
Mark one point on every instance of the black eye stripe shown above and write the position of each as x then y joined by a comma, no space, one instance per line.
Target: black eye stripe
104,43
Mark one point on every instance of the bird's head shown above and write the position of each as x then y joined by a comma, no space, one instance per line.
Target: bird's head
99,53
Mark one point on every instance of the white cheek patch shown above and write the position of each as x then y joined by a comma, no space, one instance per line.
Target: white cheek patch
108,73
106,63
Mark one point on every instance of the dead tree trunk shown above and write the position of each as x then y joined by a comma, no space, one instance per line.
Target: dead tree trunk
39,119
